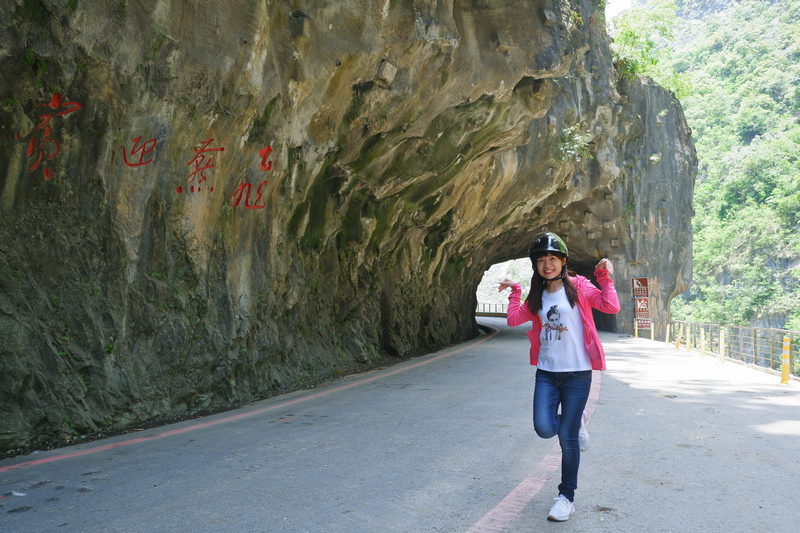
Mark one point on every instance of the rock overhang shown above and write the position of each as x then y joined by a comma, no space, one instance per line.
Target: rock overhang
411,147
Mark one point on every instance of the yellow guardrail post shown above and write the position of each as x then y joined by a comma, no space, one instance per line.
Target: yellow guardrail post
678,339
785,362
688,338
635,329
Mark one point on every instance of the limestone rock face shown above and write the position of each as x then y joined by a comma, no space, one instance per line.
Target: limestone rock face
203,203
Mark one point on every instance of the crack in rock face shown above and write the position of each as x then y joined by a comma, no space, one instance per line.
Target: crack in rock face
212,202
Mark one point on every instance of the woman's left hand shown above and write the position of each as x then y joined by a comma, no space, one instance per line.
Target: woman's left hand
506,284
605,264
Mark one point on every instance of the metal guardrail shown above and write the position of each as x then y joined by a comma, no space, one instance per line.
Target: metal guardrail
763,347
491,309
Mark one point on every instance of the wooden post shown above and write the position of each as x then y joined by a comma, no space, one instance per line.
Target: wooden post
771,351
702,340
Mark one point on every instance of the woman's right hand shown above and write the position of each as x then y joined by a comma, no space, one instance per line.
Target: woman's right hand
506,284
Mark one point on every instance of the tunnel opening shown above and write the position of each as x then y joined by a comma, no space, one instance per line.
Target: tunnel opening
520,270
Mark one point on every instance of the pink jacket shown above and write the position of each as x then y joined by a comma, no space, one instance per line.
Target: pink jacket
603,299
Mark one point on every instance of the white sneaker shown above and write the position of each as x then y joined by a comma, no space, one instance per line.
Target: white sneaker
561,510
583,435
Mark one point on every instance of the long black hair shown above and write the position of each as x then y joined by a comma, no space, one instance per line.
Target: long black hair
539,285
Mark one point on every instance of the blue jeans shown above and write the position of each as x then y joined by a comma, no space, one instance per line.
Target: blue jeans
570,390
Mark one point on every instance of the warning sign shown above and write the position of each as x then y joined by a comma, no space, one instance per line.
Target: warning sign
642,307
639,288
643,323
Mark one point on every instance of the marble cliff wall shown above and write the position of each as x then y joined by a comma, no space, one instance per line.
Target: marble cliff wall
203,203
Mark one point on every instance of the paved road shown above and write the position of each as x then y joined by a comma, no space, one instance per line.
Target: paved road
443,443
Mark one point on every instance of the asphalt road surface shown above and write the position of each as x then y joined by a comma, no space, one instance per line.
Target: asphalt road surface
443,443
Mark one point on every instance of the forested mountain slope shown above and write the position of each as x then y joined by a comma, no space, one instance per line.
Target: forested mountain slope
743,63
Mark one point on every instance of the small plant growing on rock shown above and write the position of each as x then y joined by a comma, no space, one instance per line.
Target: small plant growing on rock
573,145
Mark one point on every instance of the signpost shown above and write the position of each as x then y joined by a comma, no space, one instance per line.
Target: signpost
642,307
639,287
641,294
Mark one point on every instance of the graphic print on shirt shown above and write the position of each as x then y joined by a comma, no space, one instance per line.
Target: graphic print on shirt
553,327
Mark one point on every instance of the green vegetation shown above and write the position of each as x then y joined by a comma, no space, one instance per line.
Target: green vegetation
744,63
36,65
641,45
574,144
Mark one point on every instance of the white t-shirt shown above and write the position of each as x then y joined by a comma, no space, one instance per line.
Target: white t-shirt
562,348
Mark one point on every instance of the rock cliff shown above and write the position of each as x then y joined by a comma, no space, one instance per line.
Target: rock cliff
203,203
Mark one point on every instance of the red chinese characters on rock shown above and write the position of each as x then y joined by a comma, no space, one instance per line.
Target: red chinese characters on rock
201,162
244,189
142,150
264,154
41,145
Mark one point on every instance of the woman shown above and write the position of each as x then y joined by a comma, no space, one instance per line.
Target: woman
565,348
